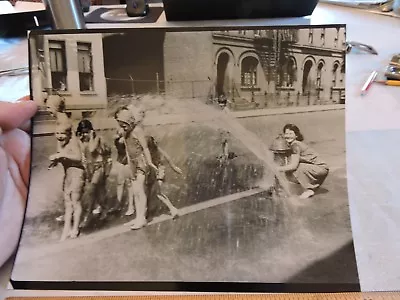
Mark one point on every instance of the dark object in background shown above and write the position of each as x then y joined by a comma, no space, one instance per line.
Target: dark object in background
65,14
393,69
118,15
18,23
136,8
185,10
85,4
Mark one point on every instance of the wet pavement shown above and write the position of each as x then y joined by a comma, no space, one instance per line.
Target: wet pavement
259,238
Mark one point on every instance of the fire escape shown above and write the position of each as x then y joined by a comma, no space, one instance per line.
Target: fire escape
273,49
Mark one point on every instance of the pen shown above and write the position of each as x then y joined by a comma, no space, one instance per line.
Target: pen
368,83
389,82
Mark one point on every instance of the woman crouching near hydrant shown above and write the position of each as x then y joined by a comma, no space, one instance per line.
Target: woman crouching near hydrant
304,164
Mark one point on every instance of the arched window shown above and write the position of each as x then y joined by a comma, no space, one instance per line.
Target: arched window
319,74
342,71
334,74
249,71
291,71
306,76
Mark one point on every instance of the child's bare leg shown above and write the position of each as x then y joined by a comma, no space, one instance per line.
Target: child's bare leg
120,192
90,205
67,217
76,201
131,197
164,199
98,190
140,202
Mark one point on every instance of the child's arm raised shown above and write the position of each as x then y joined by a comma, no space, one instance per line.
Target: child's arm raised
169,160
142,139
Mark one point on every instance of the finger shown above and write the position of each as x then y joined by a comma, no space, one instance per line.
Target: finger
13,115
11,217
26,126
25,98
3,171
18,145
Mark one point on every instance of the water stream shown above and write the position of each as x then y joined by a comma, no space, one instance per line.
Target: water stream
192,110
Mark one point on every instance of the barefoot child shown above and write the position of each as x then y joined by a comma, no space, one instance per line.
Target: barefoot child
129,118
95,157
124,177
69,156
160,158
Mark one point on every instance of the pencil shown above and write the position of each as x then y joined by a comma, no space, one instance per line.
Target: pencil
368,83
389,82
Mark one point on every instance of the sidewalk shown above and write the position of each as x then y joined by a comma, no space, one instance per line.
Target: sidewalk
286,110
48,127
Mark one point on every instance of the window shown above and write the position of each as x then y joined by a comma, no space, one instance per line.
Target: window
291,71
336,40
85,67
319,74
310,36
249,72
334,74
58,66
286,76
342,72
323,36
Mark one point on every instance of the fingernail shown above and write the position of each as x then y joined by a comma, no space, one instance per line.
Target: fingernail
26,102
24,99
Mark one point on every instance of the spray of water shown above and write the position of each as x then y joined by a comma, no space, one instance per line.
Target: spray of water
192,110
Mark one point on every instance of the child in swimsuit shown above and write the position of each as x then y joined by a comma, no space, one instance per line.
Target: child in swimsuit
129,119
124,177
69,156
156,178
95,160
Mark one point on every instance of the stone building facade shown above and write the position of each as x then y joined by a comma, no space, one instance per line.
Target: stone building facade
258,66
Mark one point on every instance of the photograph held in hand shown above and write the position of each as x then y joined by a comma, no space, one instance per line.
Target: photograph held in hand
213,158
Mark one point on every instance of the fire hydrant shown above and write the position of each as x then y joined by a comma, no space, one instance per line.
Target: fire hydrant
281,150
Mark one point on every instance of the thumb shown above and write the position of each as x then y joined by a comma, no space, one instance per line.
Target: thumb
13,115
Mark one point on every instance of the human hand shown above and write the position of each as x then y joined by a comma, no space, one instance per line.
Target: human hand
177,170
120,132
92,135
54,157
14,171
153,166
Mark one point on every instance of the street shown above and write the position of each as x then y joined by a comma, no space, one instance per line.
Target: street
256,238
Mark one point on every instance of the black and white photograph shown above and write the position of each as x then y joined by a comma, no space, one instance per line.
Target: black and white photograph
212,155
